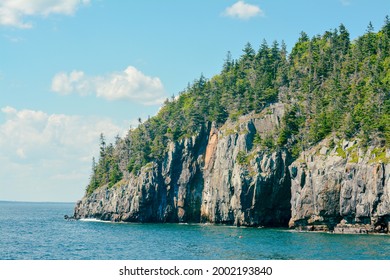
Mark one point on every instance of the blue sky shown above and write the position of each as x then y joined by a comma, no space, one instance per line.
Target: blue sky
71,69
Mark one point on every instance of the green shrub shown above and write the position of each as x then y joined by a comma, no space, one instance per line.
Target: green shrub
242,158
340,152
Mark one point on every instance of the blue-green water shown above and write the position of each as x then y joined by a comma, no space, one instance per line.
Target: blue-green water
39,231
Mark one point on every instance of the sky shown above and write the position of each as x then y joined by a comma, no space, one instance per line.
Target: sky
72,69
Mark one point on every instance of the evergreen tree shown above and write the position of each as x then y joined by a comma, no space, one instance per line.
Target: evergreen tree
329,85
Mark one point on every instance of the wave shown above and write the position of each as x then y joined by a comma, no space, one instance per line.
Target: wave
94,220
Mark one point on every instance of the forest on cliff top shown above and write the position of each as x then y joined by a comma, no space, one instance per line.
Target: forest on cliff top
330,86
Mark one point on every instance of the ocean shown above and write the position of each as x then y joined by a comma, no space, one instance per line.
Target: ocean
38,231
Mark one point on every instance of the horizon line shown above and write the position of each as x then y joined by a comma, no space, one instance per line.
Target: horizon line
26,201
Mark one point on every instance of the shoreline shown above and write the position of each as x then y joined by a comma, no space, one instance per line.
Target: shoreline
351,229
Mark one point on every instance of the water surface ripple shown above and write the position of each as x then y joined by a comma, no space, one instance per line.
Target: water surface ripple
38,231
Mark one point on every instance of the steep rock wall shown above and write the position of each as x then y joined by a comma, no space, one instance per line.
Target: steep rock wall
201,180
344,188
224,176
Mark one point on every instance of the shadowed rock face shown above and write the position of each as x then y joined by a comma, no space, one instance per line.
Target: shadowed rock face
222,176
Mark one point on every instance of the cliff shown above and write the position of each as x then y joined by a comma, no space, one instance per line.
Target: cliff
297,139
344,188
224,176
217,176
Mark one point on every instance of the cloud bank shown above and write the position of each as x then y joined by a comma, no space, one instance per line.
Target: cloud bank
242,10
49,155
28,134
131,84
14,12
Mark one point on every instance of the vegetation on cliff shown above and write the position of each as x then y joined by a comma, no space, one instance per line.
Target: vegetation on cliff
329,84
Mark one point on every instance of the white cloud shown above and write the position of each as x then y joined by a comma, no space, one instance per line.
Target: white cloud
131,84
51,152
66,84
13,12
242,10
20,153
345,2
28,133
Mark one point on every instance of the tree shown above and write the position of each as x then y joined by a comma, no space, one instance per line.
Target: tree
303,37
115,175
370,28
102,146
328,84
228,62
248,56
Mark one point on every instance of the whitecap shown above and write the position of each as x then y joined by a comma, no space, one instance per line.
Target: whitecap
93,220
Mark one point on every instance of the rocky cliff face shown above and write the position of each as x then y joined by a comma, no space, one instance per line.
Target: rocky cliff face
216,176
341,188
226,176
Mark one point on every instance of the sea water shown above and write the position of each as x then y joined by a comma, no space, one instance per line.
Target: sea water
38,231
